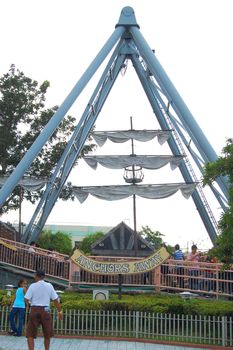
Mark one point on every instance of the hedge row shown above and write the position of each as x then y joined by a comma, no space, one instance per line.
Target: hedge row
149,303
143,303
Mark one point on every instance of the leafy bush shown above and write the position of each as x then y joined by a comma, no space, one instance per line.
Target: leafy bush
148,303
6,300
153,303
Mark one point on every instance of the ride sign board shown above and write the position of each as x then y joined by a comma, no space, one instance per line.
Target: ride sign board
120,267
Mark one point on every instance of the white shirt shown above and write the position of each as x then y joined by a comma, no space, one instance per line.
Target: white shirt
40,293
31,250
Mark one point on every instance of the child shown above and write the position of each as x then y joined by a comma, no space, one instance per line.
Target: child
18,309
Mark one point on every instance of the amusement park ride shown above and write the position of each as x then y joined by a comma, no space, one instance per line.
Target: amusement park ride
186,138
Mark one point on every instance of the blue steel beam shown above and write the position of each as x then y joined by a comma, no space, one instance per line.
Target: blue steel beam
177,103
197,158
148,88
127,27
31,154
198,161
74,147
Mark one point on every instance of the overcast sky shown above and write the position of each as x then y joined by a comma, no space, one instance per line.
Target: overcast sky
192,39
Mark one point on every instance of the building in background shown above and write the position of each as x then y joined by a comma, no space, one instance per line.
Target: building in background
76,232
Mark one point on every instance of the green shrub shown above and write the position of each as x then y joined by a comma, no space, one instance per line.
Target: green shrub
150,303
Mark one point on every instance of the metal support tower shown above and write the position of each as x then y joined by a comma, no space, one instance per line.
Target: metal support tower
125,43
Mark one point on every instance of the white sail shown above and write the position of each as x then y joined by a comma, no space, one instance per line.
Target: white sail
117,136
124,161
27,183
156,191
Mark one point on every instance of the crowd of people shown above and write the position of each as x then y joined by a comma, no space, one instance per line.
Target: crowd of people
195,272
37,300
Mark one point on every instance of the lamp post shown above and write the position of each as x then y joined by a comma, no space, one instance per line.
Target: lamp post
20,211
9,288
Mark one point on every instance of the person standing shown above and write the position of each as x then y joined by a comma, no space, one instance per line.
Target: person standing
32,249
32,256
194,270
178,254
179,268
38,297
18,309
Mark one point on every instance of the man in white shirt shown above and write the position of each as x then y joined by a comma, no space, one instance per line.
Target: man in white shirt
38,296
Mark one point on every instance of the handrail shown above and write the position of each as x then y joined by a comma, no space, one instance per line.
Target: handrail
26,247
204,278
18,255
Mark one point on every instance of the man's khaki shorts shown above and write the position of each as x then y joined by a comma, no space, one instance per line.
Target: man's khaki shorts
38,316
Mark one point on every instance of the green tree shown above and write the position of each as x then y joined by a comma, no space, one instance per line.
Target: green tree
59,241
22,118
87,242
153,237
223,166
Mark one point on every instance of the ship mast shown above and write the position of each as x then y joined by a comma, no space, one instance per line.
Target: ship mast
133,175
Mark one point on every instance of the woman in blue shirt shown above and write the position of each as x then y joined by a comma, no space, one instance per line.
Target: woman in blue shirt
18,308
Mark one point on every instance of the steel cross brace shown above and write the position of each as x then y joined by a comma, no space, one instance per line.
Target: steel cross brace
177,102
32,153
197,158
149,89
76,143
130,44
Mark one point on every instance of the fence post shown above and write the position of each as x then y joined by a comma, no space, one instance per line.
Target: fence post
157,278
70,273
137,325
224,331
217,283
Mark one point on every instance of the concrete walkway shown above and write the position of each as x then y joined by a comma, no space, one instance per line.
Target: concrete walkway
20,343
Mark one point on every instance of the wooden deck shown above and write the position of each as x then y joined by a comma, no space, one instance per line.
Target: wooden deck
19,343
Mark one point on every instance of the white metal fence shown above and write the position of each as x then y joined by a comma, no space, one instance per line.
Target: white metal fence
209,330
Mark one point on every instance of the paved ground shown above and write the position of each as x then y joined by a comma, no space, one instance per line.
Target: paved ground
14,343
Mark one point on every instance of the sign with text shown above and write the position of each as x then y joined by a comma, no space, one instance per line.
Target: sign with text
120,267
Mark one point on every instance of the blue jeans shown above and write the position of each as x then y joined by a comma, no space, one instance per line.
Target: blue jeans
14,312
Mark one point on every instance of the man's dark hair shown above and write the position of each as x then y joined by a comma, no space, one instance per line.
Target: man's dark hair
40,273
177,247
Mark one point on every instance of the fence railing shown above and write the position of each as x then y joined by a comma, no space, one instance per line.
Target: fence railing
172,276
209,330
54,264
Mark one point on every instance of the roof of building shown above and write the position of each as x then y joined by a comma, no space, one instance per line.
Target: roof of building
120,241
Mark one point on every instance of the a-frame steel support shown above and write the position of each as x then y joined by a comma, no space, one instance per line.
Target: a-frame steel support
126,42
74,147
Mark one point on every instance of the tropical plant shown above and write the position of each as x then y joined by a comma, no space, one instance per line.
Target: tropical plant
223,166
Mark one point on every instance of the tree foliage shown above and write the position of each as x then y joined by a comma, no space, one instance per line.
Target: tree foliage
87,242
223,166
22,118
59,241
153,237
